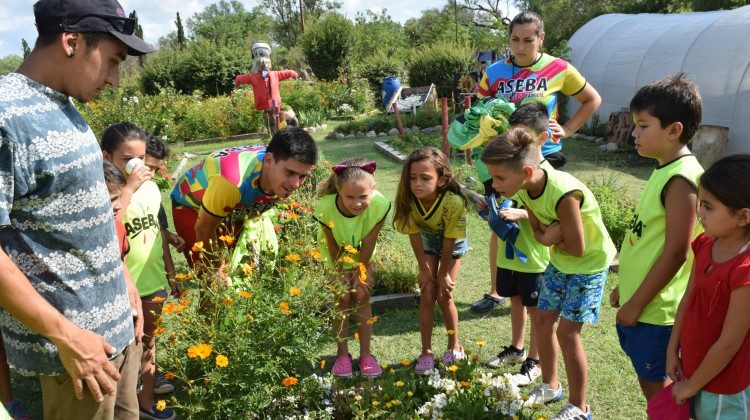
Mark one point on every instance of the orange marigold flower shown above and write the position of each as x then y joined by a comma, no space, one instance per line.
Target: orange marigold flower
161,330
373,320
247,268
192,352
315,254
347,259
198,246
290,381
222,361
244,294
168,308
322,364
356,336
295,291
204,350
183,277
227,301
295,205
285,308
277,228
292,257
464,384
350,249
227,239
293,216
362,273
158,299
169,375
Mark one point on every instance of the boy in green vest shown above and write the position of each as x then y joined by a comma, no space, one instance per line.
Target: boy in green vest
655,257
517,280
564,216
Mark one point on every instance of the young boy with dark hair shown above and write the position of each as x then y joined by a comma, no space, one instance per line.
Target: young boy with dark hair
655,257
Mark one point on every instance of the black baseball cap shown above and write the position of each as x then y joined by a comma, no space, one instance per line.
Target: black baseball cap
57,16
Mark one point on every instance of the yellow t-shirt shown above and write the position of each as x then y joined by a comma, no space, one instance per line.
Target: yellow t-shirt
446,217
145,261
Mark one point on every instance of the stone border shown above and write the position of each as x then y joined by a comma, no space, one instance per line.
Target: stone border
383,303
247,136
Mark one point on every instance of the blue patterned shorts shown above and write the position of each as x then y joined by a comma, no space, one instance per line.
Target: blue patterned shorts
578,297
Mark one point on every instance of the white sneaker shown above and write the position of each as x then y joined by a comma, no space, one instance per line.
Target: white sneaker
509,355
572,412
544,394
530,371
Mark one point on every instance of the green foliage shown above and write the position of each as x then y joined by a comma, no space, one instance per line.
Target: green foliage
379,33
616,208
287,27
378,66
180,32
410,142
9,64
456,25
329,45
438,63
382,122
25,48
313,102
229,23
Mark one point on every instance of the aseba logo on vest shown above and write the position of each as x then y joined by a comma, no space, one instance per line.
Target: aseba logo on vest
635,228
134,227
530,87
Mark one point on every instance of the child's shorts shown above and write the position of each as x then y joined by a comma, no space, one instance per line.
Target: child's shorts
707,405
578,297
433,245
515,283
646,346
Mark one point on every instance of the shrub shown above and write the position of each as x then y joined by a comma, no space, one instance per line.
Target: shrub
328,46
375,68
438,64
616,208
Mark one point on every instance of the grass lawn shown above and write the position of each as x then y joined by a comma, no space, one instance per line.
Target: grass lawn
613,391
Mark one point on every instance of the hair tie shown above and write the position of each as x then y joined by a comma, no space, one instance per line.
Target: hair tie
368,167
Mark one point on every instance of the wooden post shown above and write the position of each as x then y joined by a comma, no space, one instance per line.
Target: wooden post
399,125
467,152
444,106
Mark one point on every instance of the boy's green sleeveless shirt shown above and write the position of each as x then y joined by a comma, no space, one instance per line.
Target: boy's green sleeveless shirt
599,251
644,242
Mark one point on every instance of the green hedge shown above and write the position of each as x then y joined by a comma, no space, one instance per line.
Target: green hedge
438,64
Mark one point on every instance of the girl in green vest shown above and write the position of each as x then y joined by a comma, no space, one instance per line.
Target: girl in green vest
351,213
564,216
432,211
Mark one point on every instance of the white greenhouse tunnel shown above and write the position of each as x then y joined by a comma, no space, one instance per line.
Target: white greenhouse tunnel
619,53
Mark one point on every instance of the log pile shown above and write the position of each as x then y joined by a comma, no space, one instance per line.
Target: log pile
620,128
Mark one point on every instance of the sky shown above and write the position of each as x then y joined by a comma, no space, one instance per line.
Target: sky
157,17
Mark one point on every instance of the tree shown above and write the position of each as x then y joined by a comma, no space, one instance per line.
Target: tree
9,64
286,16
329,46
454,25
25,47
180,32
228,22
487,13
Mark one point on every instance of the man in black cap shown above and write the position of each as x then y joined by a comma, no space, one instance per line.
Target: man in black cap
68,311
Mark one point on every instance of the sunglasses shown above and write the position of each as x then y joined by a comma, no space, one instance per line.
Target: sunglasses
124,25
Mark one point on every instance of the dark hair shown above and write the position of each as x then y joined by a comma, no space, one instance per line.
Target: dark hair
353,173
118,133
293,143
526,17
533,115
726,180
404,196
114,179
515,147
92,39
156,147
671,99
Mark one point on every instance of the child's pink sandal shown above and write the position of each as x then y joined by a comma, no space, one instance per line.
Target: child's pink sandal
369,367
424,363
342,366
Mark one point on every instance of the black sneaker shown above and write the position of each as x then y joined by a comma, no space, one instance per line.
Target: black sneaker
509,355
530,371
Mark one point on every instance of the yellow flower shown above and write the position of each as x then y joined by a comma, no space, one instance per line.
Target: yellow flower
322,364
330,224
285,308
536,406
227,301
227,239
405,362
292,257
541,418
356,336
451,332
293,216
290,381
315,254
399,384
384,366
388,405
372,320
169,376
409,394
525,397
182,277
222,361
464,384
392,371
350,249
481,343
362,273
198,246
161,405
204,350
192,352
452,368
347,259
244,294
247,268
375,403
295,291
